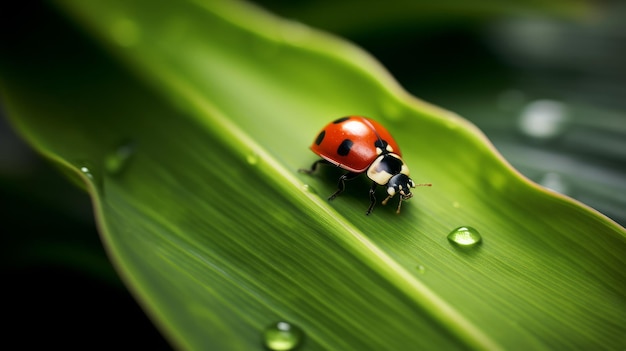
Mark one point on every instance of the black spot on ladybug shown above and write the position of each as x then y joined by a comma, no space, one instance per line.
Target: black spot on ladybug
380,143
390,164
320,137
342,119
344,147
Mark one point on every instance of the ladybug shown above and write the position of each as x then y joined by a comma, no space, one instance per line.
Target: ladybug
361,145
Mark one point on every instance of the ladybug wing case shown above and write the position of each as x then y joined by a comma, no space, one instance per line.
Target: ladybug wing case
386,136
350,143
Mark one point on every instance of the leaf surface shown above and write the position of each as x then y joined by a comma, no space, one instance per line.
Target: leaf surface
188,123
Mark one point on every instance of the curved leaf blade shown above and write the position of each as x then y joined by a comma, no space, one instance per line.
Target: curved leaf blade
216,263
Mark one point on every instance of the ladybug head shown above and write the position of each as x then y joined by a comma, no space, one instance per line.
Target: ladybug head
402,184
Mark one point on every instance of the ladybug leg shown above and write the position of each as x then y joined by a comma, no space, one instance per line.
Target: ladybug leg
314,166
341,185
372,198
399,205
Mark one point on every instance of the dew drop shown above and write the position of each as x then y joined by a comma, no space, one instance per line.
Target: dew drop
125,32
465,237
89,172
252,158
391,109
420,269
282,336
308,188
116,161
86,171
451,123
543,119
496,179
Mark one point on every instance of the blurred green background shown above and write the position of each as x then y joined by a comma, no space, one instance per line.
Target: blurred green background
545,81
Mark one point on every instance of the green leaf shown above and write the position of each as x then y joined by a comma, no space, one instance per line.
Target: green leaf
188,122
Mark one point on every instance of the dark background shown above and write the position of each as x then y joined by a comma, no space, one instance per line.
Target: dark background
548,87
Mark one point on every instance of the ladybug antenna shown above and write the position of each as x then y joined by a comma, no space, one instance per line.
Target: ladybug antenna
402,197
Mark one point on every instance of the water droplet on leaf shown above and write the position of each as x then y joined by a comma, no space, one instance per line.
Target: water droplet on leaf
391,109
89,172
86,171
125,32
421,269
309,188
543,119
117,161
282,336
465,237
252,158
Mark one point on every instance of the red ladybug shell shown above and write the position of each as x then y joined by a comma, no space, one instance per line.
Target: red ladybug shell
349,142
